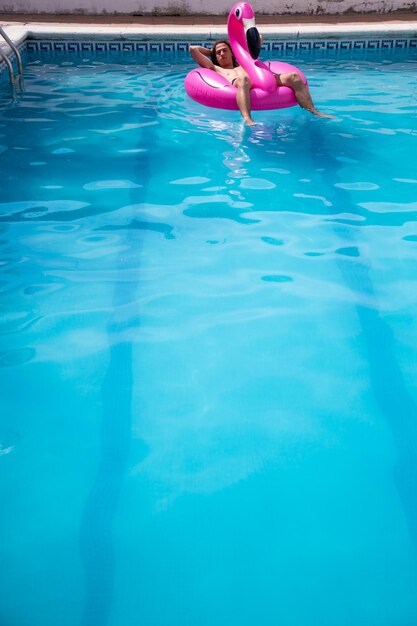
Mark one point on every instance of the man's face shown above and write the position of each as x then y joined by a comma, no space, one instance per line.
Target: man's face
224,55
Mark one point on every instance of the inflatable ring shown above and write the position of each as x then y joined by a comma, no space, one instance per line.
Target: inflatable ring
212,89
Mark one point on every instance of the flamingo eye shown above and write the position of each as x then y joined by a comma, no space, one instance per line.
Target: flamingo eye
237,13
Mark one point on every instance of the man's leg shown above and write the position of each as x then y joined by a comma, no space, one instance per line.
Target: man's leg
301,92
243,98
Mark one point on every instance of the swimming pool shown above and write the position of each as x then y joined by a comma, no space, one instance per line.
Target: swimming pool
208,349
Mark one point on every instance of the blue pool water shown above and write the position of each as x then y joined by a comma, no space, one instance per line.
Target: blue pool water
208,355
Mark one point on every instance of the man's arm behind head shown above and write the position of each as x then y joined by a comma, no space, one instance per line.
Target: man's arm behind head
201,56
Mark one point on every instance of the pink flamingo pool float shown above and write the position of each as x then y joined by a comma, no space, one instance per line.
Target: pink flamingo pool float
211,89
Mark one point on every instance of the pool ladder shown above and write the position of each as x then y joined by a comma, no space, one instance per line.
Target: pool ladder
6,58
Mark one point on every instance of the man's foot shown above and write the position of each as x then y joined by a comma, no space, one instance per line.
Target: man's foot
249,121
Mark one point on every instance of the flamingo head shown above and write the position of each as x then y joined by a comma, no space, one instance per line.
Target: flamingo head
241,28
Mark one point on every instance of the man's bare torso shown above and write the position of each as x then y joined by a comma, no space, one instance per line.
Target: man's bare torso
232,73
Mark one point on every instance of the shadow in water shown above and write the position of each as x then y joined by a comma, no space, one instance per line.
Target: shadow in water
322,142
386,379
97,529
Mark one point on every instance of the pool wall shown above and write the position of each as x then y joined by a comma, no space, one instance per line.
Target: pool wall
56,38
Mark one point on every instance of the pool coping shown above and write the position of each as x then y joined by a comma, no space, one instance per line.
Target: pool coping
20,32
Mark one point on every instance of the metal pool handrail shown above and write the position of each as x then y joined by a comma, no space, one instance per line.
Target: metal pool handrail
5,57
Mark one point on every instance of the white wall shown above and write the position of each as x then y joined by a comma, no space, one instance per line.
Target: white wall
210,7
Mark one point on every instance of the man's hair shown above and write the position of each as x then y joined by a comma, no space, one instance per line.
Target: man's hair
213,52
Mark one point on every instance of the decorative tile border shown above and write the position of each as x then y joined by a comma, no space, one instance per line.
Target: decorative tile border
182,46
106,46
339,44
284,46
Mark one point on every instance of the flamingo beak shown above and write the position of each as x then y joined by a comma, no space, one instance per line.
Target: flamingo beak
253,37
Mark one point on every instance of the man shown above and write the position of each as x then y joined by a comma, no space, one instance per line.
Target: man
220,59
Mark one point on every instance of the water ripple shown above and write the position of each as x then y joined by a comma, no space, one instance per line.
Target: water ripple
19,356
